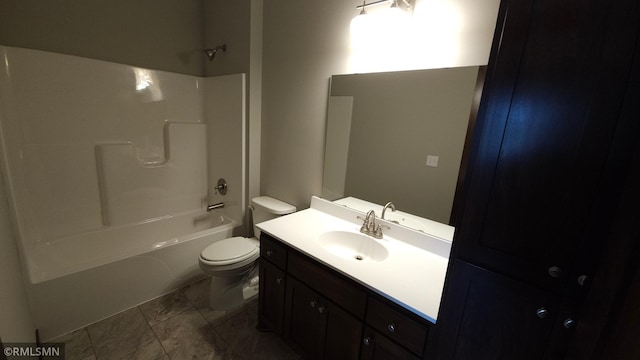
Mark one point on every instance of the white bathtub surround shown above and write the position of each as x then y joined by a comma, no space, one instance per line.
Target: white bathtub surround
140,184
108,171
406,266
17,321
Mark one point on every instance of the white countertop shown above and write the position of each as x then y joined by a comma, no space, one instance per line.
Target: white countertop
412,275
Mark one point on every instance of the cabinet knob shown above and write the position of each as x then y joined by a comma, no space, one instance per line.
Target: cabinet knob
313,303
582,280
555,272
542,313
366,341
392,327
279,281
269,252
569,323
321,309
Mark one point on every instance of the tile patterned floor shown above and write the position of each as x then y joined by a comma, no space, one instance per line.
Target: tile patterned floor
177,326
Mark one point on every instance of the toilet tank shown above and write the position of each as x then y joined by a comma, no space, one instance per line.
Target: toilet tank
266,208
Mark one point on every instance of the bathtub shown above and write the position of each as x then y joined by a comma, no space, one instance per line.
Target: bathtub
104,179
87,277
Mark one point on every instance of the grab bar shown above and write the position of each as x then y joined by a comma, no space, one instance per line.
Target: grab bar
215,206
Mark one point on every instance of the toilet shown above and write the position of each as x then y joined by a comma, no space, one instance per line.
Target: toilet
233,262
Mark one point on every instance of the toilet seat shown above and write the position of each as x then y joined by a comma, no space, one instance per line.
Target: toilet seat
236,250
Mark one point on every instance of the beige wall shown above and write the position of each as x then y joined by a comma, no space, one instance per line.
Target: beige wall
158,34
238,24
226,22
304,44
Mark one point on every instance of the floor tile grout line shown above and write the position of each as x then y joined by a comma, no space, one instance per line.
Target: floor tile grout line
153,331
245,309
234,354
93,347
223,337
213,328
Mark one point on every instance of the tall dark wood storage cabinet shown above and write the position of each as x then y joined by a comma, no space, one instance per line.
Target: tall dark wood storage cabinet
547,203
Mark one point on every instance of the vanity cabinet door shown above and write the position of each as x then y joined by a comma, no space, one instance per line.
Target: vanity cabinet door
376,346
317,328
271,297
494,317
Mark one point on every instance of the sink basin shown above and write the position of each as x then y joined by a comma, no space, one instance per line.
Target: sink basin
355,246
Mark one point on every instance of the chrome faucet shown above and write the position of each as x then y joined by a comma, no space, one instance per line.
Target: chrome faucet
389,205
369,226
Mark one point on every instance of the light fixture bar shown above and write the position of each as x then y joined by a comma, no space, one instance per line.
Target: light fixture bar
372,4
378,2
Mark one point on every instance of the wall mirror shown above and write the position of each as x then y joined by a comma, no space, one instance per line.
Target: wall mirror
399,136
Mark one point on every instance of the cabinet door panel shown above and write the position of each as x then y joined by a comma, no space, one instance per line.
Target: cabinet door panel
303,327
542,137
317,328
271,298
494,317
343,334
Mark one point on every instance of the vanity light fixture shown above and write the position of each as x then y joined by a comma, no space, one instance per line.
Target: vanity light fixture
359,23
394,4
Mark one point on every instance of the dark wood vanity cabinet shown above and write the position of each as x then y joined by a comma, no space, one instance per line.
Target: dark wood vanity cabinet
376,346
324,315
317,328
492,316
271,300
272,286
553,143
391,333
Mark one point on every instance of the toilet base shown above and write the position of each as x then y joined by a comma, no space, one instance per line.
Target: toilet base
250,291
229,292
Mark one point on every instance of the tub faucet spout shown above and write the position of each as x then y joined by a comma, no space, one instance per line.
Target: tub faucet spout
215,206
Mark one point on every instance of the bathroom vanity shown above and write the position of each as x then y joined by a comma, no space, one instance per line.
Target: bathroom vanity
333,293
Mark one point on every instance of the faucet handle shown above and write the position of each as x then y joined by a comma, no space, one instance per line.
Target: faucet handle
378,233
365,225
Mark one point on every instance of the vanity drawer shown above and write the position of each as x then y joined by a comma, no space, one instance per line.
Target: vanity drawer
396,325
331,285
273,251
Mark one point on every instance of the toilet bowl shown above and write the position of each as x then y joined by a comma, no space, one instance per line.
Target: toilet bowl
233,262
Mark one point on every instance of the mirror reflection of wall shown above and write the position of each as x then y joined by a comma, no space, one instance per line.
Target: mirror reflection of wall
397,120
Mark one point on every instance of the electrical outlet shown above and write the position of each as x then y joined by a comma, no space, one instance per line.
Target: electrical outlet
432,160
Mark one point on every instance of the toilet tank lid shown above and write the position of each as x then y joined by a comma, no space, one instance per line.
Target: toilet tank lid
272,205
